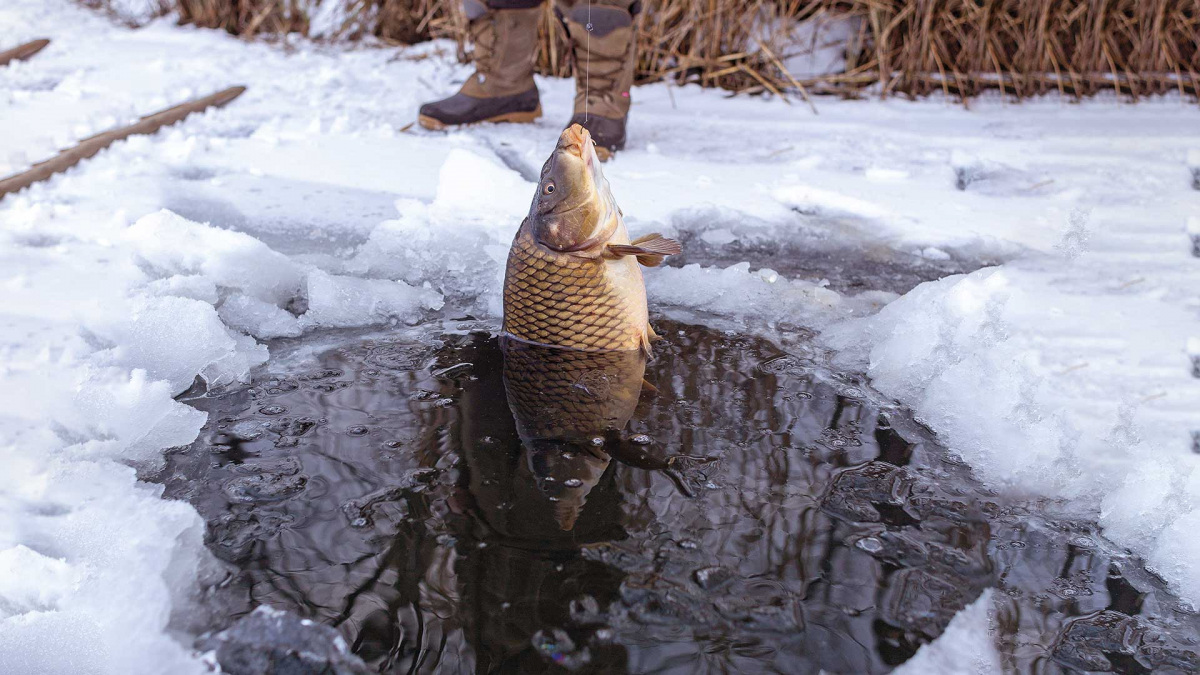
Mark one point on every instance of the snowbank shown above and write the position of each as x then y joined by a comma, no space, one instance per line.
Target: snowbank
93,563
458,241
340,302
174,247
81,541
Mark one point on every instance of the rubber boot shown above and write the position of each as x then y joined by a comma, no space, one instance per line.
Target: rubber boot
603,42
501,88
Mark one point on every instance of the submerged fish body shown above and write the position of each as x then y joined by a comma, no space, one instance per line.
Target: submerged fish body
530,416
566,403
573,277
568,394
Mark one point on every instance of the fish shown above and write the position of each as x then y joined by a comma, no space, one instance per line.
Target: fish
573,277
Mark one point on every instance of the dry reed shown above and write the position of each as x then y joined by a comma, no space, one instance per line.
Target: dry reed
960,47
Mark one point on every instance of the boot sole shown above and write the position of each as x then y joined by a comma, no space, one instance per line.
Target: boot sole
434,124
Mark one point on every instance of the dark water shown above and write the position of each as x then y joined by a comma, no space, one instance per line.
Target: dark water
755,514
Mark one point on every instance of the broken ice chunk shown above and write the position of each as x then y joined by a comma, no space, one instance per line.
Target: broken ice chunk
342,302
274,641
258,318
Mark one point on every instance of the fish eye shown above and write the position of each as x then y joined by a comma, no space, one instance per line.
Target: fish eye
549,188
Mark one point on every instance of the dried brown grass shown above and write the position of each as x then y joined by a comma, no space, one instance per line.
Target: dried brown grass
960,47
1028,47
245,17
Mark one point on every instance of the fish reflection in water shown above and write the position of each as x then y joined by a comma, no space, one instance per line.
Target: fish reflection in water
570,408
566,403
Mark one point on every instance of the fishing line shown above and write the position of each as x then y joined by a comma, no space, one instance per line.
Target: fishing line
587,66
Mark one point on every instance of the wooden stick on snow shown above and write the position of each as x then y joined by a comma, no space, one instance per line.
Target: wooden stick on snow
90,146
23,52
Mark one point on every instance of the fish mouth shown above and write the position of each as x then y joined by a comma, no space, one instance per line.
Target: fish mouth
578,141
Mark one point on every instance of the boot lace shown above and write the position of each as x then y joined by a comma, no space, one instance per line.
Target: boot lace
600,83
483,36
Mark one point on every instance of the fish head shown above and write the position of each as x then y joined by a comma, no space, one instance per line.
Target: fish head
574,210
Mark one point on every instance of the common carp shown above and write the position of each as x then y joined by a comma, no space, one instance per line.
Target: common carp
573,277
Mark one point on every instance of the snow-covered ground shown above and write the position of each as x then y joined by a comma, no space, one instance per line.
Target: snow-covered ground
309,203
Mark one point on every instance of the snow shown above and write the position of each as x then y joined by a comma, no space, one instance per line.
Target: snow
820,45
309,204
965,648
59,577
90,546
326,19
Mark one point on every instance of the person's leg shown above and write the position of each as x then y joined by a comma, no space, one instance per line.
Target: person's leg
604,44
504,33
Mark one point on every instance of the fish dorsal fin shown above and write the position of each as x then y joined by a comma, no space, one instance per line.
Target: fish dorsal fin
649,249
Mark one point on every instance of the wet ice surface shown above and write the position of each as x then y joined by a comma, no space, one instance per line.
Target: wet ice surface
847,269
294,217
758,514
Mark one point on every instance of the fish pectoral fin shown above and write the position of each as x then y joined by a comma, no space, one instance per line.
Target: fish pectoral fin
646,351
653,238
648,388
649,336
650,249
